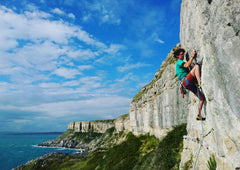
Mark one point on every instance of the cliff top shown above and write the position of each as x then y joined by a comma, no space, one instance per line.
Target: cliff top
169,60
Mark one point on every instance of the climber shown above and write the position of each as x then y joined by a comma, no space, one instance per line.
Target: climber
189,77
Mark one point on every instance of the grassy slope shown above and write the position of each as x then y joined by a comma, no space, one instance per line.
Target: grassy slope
134,152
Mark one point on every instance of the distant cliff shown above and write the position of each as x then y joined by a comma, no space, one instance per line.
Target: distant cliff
101,126
213,29
86,134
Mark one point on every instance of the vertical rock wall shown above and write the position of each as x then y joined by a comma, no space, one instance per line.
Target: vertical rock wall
212,27
159,105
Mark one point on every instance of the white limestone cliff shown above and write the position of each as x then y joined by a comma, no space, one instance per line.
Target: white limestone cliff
96,126
101,126
212,28
159,105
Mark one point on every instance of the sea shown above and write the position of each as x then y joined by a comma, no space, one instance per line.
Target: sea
19,148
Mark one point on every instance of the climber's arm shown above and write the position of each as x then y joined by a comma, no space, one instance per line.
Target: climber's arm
189,62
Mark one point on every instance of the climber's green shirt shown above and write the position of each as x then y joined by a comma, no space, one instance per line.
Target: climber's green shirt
180,70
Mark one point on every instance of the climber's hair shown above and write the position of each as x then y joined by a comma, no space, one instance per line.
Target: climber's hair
177,52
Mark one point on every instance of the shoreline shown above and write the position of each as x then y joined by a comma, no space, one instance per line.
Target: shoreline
58,147
40,160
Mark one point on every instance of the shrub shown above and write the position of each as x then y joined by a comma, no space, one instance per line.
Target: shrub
212,164
170,147
188,164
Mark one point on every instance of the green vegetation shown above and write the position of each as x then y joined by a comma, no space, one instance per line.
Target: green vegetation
212,164
129,152
188,164
84,137
111,130
168,153
125,116
170,147
65,134
143,91
105,121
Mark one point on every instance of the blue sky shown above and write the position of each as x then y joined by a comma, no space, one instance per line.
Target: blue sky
73,60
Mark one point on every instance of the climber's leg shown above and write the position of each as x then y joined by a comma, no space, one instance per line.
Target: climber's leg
202,99
196,73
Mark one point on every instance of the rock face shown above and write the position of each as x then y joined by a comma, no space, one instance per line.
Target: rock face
212,28
159,105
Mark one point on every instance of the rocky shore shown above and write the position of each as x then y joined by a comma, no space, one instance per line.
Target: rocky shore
43,161
85,141
118,150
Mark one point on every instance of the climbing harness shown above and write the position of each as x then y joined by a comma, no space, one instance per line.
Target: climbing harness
183,89
202,132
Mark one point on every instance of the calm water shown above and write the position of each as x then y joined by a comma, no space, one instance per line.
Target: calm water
17,149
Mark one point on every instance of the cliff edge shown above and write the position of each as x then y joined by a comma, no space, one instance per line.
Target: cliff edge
212,28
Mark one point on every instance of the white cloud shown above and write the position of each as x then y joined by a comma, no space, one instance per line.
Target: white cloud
90,80
39,56
155,37
85,37
37,14
39,45
160,41
6,44
114,48
105,11
100,106
49,85
127,77
85,67
58,11
67,73
127,66
81,54
71,83
86,17
71,15
37,26
62,13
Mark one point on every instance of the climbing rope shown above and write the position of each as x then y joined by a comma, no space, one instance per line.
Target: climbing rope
202,132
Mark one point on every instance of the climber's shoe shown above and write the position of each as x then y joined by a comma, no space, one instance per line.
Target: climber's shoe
199,117
200,87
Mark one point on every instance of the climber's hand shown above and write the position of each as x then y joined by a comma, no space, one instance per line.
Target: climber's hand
193,54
